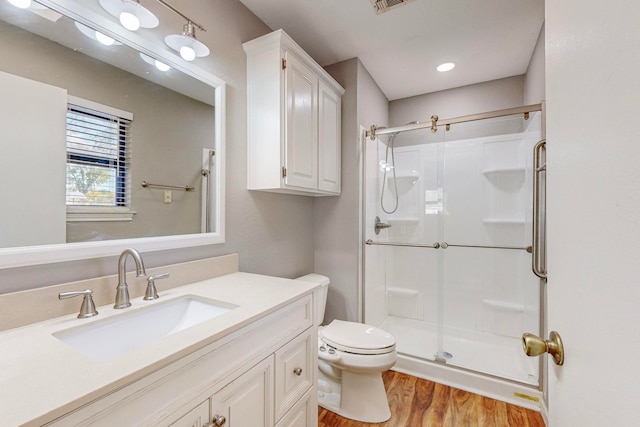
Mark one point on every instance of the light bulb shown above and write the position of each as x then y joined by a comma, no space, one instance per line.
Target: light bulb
187,53
22,4
129,21
162,66
105,40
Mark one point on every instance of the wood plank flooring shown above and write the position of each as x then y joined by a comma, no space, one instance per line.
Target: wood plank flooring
416,402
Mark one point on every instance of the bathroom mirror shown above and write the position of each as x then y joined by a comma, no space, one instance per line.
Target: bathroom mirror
52,61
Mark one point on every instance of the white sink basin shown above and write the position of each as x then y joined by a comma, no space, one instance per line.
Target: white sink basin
105,340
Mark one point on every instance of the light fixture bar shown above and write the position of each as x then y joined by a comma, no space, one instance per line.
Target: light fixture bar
170,7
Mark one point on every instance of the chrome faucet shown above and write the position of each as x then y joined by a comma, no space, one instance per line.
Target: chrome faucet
122,290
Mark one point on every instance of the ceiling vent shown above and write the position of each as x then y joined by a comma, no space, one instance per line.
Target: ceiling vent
382,6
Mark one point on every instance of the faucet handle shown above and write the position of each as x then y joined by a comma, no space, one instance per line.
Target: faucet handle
151,292
88,308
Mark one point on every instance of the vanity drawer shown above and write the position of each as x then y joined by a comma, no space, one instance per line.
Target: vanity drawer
294,371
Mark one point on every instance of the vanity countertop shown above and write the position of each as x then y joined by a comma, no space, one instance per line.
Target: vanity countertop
43,378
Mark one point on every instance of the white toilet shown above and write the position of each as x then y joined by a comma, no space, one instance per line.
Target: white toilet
351,359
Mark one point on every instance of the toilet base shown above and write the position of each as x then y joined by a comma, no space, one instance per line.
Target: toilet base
359,397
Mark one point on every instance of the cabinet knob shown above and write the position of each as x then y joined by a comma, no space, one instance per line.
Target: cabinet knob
218,420
297,371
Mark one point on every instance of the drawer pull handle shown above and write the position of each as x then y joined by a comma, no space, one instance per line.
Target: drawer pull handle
297,371
217,421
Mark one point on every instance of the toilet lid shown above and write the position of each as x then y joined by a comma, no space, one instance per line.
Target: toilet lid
357,338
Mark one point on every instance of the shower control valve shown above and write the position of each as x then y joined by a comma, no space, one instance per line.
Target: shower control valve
379,225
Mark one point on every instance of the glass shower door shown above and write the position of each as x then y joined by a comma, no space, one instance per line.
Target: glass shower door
489,293
402,263
448,272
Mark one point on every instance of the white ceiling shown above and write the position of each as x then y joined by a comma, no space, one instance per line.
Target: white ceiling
486,39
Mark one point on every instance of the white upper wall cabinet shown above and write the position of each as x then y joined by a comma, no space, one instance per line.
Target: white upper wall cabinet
294,109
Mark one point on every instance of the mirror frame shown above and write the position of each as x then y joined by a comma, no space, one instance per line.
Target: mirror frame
45,254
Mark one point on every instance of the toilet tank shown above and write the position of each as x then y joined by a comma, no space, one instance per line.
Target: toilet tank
320,297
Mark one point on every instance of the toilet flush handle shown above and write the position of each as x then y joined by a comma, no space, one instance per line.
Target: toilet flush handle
328,355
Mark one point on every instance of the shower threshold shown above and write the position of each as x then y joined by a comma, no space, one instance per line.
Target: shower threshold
498,356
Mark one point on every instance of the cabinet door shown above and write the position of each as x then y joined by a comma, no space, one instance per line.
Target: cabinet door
197,417
295,372
329,146
301,128
248,400
303,414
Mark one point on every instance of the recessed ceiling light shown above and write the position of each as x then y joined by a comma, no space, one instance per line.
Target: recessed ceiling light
447,66
22,4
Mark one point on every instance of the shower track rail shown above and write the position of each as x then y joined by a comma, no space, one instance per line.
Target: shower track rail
445,245
434,122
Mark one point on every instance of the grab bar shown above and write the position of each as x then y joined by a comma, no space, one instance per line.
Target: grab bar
146,184
411,245
206,175
206,188
446,245
538,264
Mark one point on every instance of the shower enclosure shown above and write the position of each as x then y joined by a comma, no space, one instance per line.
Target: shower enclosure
448,215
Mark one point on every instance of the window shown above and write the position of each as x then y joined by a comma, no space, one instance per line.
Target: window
98,160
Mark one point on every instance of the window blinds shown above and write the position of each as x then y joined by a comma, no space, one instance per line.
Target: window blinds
98,158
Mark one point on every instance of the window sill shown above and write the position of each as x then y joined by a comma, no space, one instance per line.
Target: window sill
98,214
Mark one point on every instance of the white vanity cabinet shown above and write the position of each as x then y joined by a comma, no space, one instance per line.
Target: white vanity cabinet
262,375
197,417
246,401
294,120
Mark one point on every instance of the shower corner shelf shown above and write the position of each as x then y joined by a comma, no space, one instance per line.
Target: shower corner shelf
412,176
504,221
504,305
495,172
506,173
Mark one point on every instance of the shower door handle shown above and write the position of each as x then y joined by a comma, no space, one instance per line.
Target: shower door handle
538,264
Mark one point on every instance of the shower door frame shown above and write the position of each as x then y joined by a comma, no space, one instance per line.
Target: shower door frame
505,389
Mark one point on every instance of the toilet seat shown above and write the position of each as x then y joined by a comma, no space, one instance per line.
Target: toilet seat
357,338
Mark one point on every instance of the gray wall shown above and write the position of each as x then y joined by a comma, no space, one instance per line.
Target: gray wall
472,99
272,233
534,79
336,224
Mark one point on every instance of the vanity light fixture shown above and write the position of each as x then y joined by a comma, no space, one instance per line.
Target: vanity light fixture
158,64
447,66
96,35
131,13
186,43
